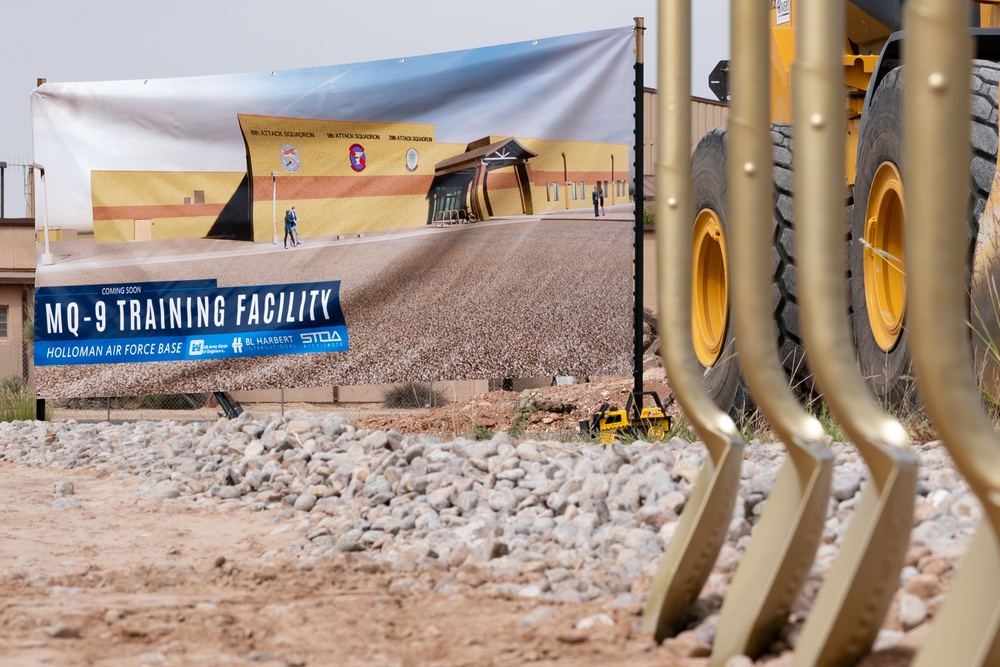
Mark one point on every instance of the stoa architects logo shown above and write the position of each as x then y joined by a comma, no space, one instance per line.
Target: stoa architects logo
316,337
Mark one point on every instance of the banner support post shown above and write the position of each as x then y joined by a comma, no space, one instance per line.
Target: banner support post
639,200
274,208
46,258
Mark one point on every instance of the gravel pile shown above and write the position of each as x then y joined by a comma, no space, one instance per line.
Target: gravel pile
552,521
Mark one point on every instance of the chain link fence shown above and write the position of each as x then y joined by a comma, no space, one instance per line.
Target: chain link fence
17,396
205,406
155,406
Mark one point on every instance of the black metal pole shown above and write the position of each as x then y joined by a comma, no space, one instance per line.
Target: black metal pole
639,206
3,168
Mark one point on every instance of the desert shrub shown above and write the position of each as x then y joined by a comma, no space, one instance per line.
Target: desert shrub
648,219
17,400
13,384
412,395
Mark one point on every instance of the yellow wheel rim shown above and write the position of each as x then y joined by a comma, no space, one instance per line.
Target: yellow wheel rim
710,287
656,432
885,289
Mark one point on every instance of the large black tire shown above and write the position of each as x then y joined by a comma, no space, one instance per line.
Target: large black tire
886,365
724,380
723,377
784,291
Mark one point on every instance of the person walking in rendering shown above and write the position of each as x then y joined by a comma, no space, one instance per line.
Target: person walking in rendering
594,196
291,227
600,197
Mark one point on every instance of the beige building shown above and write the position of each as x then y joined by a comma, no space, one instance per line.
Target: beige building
17,294
346,177
144,205
706,115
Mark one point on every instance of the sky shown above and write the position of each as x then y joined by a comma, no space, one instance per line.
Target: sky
108,40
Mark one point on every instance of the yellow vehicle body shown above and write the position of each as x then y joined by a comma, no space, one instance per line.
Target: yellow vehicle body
874,187
611,424
636,419
865,37
652,422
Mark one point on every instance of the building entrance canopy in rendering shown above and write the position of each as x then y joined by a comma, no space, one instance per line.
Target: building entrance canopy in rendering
466,175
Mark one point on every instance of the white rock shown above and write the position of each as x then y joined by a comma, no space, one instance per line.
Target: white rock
912,611
63,488
305,502
595,620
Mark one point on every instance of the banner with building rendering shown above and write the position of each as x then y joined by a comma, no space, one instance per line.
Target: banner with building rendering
443,204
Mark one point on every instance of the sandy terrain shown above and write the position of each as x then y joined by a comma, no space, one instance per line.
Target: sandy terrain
112,576
128,580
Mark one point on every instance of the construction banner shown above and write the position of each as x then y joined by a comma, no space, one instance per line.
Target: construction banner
464,215
191,319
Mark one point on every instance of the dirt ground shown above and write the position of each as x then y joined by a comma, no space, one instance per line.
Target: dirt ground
116,578
548,412
123,580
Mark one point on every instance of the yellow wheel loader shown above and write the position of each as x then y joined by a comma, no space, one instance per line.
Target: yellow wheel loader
637,419
874,219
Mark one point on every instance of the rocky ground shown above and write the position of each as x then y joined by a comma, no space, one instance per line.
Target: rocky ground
387,539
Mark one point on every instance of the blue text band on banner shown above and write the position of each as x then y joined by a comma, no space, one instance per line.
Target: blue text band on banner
185,320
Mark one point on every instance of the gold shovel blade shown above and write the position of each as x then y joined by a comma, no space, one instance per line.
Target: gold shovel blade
852,603
692,552
695,546
780,555
935,102
965,629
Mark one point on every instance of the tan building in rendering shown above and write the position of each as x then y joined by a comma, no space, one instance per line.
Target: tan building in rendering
347,177
342,176
350,176
144,205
